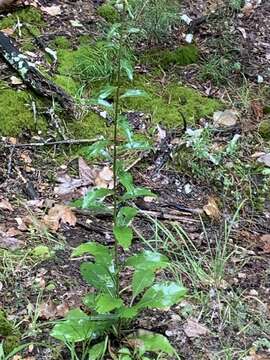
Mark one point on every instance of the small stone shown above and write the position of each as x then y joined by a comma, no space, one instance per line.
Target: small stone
227,118
253,292
260,79
264,159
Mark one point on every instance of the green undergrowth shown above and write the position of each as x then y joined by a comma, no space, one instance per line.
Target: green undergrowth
8,333
181,56
16,114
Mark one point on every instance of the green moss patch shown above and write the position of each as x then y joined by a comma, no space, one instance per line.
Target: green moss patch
264,129
29,15
182,56
61,42
164,104
16,114
89,126
109,13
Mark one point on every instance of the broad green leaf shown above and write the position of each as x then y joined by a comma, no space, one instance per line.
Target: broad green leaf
98,149
76,327
133,93
99,276
127,312
141,280
137,192
123,235
125,215
114,31
94,197
151,342
148,260
162,295
124,354
126,128
106,303
127,67
99,251
106,92
136,145
132,192
97,351
90,300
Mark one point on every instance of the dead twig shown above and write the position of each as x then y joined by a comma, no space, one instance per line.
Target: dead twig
50,143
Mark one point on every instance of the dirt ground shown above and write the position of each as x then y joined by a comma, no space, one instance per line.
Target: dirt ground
232,308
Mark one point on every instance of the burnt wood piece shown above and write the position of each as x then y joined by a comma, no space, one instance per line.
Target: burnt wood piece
32,76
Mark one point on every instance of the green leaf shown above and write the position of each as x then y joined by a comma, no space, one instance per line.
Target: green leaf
98,149
148,260
97,351
106,92
127,312
162,295
99,276
90,300
132,192
94,198
123,235
126,128
137,192
136,145
99,251
106,303
133,93
141,280
151,342
125,215
127,67
76,327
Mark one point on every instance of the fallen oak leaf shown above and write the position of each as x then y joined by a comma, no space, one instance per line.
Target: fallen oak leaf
57,215
104,178
5,205
211,209
50,311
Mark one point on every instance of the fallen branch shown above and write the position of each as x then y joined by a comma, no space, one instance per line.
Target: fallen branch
32,76
50,143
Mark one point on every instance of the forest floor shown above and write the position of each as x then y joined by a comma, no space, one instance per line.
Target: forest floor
212,213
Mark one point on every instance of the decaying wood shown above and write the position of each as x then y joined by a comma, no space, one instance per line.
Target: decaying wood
32,76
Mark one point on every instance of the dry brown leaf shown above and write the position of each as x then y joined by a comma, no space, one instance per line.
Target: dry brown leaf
69,188
8,32
49,310
59,214
25,157
53,10
265,240
211,209
5,205
104,178
193,329
257,109
10,242
13,232
85,172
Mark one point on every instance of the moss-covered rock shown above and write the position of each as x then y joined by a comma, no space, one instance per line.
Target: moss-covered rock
16,114
164,104
264,129
182,56
10,334
109,13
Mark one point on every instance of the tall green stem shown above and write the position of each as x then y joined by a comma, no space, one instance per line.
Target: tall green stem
115,132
